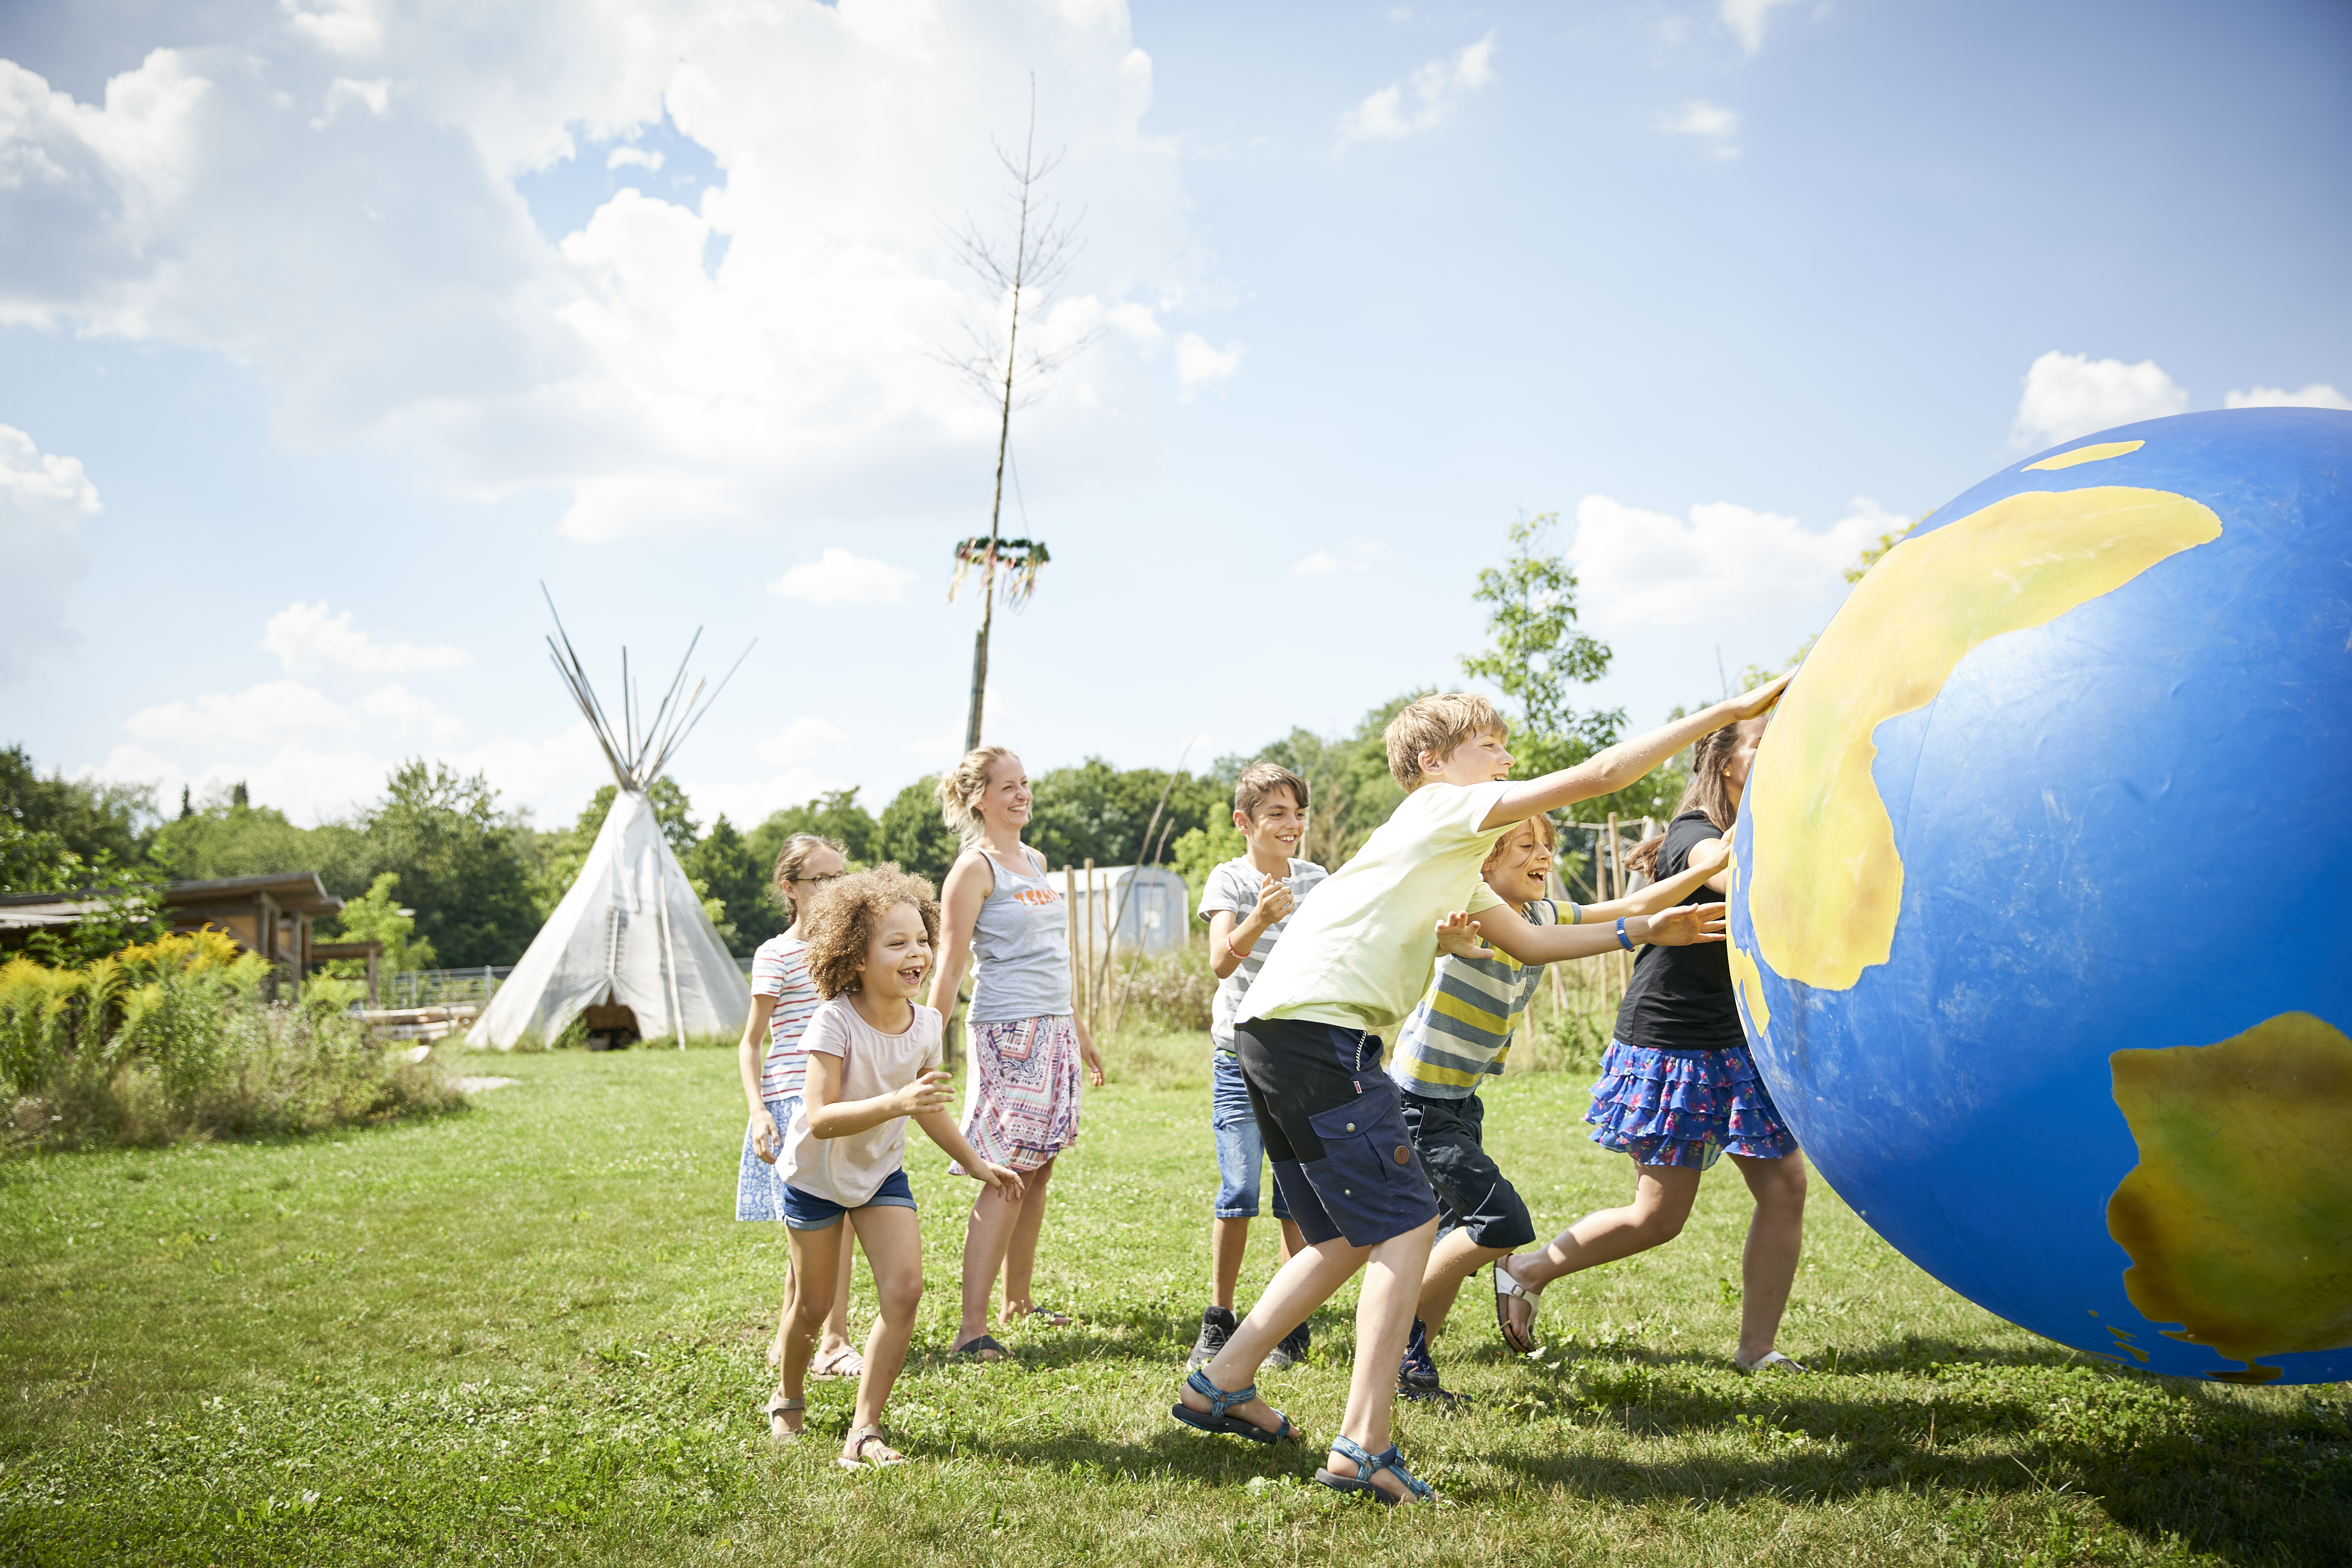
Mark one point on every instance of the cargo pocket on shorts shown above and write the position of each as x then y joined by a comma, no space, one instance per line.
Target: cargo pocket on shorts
1368,1177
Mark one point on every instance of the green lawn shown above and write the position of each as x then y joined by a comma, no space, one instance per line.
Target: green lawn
532,1332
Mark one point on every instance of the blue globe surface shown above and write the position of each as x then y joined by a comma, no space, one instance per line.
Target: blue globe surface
2037,917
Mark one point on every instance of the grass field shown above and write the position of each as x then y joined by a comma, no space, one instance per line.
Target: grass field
530,1332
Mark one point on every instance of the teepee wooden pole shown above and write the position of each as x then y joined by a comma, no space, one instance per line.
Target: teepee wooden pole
669,952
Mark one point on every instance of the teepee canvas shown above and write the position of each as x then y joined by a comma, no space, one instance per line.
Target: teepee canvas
631,927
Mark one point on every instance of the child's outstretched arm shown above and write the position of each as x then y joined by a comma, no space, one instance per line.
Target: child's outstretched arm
1707,863
1616,766
1680,927
830,1116
940,1129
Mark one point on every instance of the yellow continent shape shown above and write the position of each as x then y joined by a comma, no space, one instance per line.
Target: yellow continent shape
1827,881
2239,1215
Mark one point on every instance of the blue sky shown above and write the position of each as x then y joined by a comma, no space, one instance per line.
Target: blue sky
330,328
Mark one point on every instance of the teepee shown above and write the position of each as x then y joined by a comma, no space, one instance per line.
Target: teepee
630,932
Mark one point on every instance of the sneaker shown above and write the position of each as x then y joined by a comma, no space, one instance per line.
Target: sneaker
1292,1351
1217,1326
1417,1372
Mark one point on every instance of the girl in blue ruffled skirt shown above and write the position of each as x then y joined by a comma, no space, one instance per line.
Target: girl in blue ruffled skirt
1678,1091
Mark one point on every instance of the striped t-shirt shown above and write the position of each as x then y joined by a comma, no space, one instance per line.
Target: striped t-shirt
780,969
1463,1029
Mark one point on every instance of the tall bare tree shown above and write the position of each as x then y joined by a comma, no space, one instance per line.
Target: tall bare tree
1024,277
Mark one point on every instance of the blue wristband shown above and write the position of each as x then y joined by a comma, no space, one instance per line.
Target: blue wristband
1623,939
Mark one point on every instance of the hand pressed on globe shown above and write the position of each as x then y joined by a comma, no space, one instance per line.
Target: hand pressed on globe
1708,854
1687,925
1757,703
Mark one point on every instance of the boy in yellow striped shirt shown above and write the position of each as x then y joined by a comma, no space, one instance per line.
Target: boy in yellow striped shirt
1460,1034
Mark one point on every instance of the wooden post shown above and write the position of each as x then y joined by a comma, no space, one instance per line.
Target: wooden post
1617,881
1091,901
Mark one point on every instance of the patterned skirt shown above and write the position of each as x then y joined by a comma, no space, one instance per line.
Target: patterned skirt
1021,1091
760,1186
1669,1108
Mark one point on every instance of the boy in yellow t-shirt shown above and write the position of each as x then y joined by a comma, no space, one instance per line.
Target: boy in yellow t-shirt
1354,963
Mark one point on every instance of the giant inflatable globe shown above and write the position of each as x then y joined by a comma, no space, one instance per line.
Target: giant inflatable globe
2040,924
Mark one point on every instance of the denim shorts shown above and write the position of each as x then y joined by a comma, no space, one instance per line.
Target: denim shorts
806,1211
1241,1153
1334,1131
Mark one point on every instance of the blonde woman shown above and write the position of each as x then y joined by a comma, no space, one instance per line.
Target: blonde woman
1002,911
774,1071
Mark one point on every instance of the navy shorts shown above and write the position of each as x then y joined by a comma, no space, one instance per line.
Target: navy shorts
1449,1136
1334,1131
806,1211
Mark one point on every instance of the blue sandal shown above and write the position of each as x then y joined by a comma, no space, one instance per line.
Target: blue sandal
1371,1464
1214,1419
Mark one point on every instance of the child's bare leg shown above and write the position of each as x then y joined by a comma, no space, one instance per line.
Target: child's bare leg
1297,1288
1384,1313
836,1321
1454,1259
816,1258
985,1238
1767,1267
1663,1195
1293,1240
1021,1252
1228,1241
894,1249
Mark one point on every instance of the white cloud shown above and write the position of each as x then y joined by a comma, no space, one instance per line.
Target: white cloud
2318,394
399,714
1358,557
1708,122
1637,568
1438,89
343,92
1746,18
306,636
838,577
1199,366
346,26
620,157
44,500
803,740
381,278
268,714
2068,395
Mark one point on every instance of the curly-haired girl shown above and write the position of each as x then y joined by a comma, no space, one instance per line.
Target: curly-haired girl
782,997
872,1065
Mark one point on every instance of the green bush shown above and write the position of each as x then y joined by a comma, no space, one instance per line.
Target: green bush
176,1039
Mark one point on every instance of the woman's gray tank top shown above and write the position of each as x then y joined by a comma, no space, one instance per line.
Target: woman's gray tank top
1021,945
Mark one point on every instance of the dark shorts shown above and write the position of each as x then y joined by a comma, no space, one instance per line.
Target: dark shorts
1449,1136
1334,1129
806,1211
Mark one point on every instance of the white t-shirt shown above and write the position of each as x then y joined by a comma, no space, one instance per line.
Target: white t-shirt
847,1171
1360,953
1233,887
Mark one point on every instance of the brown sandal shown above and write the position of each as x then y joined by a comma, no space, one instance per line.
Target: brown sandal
774,1411
859,1440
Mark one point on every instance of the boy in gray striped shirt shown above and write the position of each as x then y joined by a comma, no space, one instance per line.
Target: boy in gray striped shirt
1460,1035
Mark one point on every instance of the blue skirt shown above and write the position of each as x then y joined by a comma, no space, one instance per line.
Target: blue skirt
1685,1107
760,1186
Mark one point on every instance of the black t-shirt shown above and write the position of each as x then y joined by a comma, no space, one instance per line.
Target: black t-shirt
1680,997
